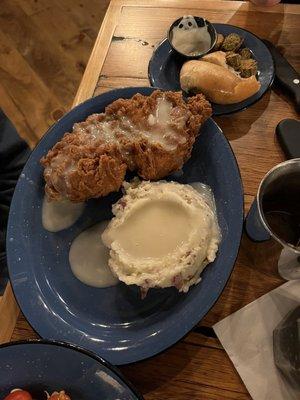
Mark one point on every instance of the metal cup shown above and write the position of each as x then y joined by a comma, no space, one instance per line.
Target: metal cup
258,229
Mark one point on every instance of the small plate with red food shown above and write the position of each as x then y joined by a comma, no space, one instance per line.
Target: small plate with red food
48,370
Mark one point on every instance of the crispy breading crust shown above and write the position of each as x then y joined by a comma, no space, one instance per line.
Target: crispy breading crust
79,170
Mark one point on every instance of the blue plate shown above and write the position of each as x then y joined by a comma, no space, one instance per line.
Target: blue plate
37,366
114,322
165,65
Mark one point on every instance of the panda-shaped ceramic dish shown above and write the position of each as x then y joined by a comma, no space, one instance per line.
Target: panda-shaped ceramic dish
165,65
195,35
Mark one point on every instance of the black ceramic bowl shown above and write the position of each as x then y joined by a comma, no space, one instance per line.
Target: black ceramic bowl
200,22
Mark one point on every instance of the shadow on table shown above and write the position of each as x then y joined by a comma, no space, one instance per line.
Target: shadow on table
284,96
237,125
255,273
261,260
159,371
266,25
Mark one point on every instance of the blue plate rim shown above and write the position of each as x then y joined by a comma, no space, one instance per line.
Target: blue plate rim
154,353
150,78
78,349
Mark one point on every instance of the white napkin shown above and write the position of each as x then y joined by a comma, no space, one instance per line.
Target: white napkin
247,337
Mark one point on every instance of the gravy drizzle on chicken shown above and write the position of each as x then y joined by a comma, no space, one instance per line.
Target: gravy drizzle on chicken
152,135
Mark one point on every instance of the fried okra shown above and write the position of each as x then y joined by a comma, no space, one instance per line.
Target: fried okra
248,68
234,60
232,42
245,53
219,42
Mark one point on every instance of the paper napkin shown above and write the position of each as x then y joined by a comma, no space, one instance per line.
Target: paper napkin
247,337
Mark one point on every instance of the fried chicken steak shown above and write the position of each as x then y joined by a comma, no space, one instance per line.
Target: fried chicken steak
152,135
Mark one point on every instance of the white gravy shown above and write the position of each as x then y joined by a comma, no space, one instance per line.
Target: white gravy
168,225
59,215
88,258
160,122
160,130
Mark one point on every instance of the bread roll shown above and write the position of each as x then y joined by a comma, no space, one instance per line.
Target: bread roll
218,83
217,57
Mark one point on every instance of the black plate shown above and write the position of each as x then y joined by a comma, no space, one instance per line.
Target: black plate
165,65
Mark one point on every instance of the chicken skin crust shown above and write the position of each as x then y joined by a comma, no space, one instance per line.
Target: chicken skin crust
152,135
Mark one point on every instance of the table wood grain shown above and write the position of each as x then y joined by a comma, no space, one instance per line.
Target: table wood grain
198,367
44,49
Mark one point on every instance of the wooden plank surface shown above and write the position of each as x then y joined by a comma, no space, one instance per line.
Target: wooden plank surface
197,366
44,49
9,312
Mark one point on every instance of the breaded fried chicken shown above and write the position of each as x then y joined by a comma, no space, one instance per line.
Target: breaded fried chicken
152,135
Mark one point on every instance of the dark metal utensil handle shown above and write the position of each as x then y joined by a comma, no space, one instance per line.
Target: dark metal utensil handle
291,83
286,75
288,134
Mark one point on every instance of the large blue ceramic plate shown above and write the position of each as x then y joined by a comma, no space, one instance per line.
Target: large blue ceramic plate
115,322
38,366
165,65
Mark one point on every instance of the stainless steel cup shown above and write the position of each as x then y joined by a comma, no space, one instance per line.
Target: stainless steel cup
259,230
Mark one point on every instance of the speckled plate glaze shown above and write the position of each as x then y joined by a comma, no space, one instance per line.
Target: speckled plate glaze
40,365
165,65
115,322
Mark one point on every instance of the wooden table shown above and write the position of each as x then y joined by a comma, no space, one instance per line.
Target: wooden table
197,367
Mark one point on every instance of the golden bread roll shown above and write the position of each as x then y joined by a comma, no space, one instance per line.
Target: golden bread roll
219,84
217,57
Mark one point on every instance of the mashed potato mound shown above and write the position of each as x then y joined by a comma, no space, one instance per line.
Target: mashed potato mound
163,234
